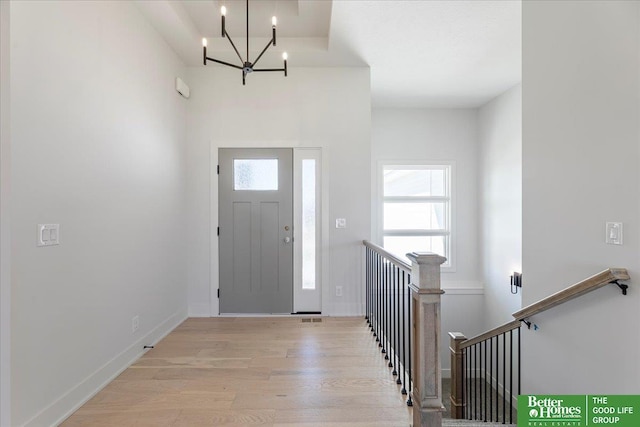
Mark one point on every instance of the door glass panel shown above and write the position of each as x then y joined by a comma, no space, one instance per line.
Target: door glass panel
308,224
414,216
255,174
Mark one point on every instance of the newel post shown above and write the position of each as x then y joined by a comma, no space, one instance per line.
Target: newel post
457,377
425,297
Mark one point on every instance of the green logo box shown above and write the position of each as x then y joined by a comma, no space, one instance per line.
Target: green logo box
578,410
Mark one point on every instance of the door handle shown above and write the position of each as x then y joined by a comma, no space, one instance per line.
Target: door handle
287,239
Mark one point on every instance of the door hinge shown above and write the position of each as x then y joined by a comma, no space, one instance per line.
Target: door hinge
218,231
218,169
218,293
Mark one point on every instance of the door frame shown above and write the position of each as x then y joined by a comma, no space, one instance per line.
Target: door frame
5,226
212,308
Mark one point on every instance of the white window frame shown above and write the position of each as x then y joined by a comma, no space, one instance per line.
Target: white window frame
450,239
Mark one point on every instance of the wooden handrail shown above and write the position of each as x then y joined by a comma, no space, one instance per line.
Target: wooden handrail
391,257
459,342
587,285
594,282
514,324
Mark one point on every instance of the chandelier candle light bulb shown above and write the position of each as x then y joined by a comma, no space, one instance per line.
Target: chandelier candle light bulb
204,50
274,22
223,13
285,57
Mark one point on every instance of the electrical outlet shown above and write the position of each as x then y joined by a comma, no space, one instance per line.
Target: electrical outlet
135,323
338,291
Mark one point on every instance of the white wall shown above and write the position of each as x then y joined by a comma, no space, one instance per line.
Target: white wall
451,135
500,201
5,240
98,147
308,108
580,169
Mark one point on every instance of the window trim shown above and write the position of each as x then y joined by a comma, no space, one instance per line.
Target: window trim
450,265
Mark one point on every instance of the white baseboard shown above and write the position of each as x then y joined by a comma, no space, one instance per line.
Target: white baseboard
199,310
68,403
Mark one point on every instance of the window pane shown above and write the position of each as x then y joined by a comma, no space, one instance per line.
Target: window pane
308,224
414,216
415,182
255,174
401,245
437,182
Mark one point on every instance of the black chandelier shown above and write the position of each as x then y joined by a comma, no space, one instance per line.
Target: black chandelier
246,65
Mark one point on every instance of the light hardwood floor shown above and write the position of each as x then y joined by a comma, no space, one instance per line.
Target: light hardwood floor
254,372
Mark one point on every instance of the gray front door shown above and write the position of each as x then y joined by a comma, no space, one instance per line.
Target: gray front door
255,188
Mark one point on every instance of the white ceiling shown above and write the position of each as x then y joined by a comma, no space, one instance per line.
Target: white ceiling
422,53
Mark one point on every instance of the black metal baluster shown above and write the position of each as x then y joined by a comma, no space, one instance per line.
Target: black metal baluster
391,328
464,384
387,335
510,376
467,391
472,360
393,345
410,320
370,294
470,386
366,287
383,340
475,381
504,376
396,293
519,360
483,412
404,337
372,291
490,373
378,303
496,377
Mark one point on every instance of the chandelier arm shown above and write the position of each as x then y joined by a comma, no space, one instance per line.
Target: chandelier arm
262,53
234,47
269,69
224,63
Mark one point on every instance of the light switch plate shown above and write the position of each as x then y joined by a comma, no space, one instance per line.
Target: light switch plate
48,235
613,233
341,223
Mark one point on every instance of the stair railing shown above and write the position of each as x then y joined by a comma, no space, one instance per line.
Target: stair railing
388,311
486,369
403,312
